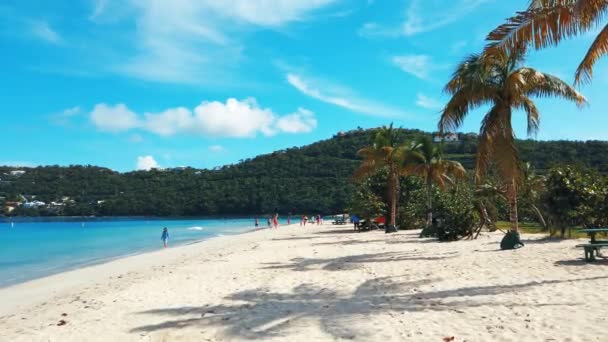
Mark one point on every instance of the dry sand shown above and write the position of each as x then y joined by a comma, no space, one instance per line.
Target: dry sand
321,283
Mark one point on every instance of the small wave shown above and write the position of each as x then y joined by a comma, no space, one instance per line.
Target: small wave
195,228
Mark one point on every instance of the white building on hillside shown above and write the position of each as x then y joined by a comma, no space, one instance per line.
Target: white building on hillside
449,137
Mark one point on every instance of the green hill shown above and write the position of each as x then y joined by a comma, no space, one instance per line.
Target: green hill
308,179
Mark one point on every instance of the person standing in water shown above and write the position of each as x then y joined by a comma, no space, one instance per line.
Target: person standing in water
257,223
165,236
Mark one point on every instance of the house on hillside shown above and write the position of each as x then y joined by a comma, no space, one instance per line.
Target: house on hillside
34,204
17,173
448,137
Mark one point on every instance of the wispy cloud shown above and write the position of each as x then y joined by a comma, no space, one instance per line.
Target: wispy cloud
420,66
340,96
216,148
98,8
189,41
426,102
423,16
42,30
64,117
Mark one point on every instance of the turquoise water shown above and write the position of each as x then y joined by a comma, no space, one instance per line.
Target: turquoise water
32,249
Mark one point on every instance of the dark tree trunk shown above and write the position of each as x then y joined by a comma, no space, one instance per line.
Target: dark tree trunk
512,198
429,202
393,191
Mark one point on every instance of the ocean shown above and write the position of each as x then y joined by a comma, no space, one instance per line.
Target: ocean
34,248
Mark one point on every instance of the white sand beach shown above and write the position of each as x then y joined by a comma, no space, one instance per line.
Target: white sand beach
317,284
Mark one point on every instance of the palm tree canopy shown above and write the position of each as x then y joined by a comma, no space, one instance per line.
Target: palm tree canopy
384,152
548,22
425,160
498,79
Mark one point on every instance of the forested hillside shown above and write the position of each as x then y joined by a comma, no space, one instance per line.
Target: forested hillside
309,179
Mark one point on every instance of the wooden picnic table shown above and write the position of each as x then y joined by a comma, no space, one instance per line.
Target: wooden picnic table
592,232
594,245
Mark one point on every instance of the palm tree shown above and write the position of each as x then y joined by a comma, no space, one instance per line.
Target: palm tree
386,152
548,22
425,160
498,80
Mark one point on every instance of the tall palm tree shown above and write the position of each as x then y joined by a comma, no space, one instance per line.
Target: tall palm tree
548,22
425,160
498,80
387,152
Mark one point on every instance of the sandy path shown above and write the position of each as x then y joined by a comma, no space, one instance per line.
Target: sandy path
322,283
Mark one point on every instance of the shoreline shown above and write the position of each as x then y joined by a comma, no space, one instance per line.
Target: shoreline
105,259
24,290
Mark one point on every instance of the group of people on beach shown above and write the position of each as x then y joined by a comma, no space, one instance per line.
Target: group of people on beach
272,222
304,219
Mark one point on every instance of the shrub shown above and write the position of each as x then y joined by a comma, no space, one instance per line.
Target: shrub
454,215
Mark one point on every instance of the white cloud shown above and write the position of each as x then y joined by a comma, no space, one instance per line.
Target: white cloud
302,121
116,118
336,95
146,163
233,118
196,41
216,148
417,65
43,31
426,102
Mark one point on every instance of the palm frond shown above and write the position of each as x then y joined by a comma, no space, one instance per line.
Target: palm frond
532,114
545,23
599,48
540,84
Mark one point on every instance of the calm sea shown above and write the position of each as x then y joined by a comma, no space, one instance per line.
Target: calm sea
32,249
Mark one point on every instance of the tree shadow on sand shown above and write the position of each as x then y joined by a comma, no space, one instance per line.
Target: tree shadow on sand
353,261
260,313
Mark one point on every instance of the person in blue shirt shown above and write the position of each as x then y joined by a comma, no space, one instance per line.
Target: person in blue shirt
356,221
165,237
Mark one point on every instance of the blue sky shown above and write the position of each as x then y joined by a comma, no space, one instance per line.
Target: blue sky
139,83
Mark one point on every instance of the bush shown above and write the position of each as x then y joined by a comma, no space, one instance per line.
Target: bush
412,208
454,215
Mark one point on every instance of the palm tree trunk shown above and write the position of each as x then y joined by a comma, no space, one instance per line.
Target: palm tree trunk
512,198
540,217
393,198
429,202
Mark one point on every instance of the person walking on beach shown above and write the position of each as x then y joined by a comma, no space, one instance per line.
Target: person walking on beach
288,220
275,221
165,237
305,220
318,219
